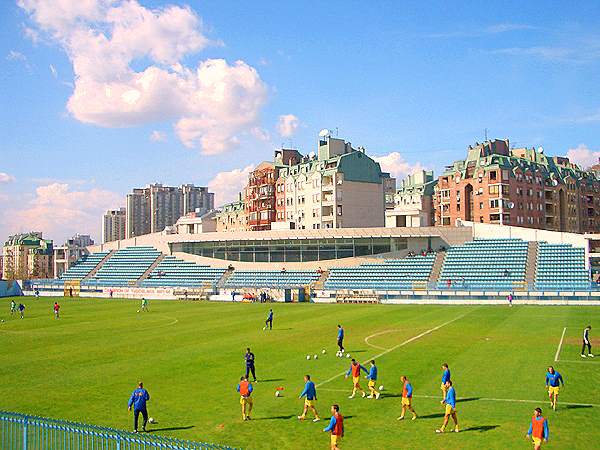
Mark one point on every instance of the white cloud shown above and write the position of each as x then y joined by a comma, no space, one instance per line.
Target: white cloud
158,136
60,212
288,125
483,31
226,185
261,134
6,178
583,156
211,105
53,71
14,55
396,165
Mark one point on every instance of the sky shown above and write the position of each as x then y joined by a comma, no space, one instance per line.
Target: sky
100,96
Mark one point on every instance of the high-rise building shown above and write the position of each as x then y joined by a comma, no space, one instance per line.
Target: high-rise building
73,249
413,202
153,208
522,187
113,225
27,255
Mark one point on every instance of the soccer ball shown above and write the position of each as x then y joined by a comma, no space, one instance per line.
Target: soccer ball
347,355
277,393
307,356
381,387
324,351
151,420
138,310
315,357
264,328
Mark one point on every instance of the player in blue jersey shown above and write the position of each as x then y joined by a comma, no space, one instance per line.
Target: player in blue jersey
445,378
553,382
450,402
138,400
310,398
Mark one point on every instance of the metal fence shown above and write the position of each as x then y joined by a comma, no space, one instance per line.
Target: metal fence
24,432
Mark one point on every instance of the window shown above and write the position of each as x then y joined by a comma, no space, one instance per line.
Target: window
339,210
494,203
494,189
505,189
493,175
480,205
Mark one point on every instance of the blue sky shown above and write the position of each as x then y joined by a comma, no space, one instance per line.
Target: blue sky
413,83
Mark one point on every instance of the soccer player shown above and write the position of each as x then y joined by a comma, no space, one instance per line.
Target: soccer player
450,402
245,389
249,357
372,377
13,307
355,368
340,338
538,429
407,393
586,342
56,310
145,305
335,427
310,391
21,310
445,378
269,321
553,381
139,398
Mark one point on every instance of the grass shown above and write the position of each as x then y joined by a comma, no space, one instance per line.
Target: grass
190,356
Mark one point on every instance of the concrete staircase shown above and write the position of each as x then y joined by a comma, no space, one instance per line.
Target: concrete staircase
532,251
437,268
99,265
224,278
149,270
319,285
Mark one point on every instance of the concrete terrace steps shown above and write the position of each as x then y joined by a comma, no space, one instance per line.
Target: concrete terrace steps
223,280
531,269
149,270
319,285
99,265
434,276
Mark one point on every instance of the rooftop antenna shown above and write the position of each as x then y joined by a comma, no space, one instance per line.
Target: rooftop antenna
336,131
485,132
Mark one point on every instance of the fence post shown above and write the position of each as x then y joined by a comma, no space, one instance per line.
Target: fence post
25,433
118,442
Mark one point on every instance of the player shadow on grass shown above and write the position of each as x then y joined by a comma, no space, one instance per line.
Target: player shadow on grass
275,417
480,428
154,430
467,399
432,416
269,380
577,406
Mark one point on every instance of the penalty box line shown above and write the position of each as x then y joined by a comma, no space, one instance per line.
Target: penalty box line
557,355
487,399
402,344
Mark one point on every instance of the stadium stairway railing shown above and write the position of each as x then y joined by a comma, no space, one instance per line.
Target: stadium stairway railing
25,432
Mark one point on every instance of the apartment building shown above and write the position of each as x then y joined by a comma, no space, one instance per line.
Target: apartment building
522,187
413,202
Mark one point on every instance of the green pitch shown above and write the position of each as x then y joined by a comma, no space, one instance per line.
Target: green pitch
190,357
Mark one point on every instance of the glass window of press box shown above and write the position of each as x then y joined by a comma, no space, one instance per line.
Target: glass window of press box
292,250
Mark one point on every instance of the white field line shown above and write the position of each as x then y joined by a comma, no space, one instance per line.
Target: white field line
560,345
402,344
487,399
581,361
378,334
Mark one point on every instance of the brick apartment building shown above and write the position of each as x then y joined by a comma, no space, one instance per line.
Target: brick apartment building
522,187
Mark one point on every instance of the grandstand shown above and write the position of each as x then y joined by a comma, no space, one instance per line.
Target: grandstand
393,274
485,264
84,266
561,267
271,279
175,272
124,267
